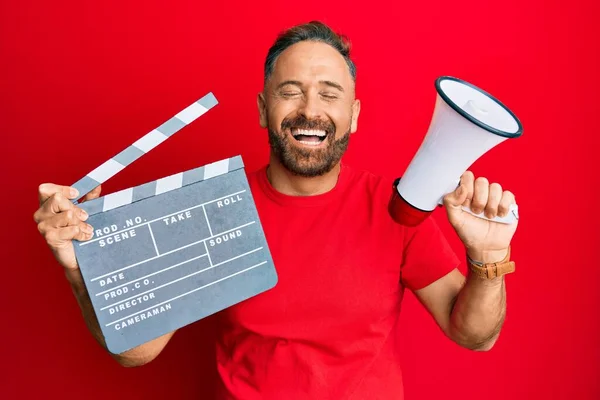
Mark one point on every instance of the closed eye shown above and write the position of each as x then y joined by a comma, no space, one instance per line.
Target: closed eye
289,94
329,96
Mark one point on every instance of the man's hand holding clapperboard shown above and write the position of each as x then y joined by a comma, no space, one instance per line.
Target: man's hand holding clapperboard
148,260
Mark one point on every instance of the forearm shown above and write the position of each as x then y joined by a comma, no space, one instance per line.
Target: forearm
479,309
135,357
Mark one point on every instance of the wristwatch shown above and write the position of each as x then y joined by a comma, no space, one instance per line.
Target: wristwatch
492,270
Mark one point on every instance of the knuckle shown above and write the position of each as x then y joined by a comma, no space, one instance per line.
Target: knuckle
54,200
51,236
69,214
36,216
492,206
477,204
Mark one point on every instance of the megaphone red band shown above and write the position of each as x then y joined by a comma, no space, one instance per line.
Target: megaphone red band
403,212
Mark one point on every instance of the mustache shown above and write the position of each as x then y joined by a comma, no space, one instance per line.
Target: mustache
301,122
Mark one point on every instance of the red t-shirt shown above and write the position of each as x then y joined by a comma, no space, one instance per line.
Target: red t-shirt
327,330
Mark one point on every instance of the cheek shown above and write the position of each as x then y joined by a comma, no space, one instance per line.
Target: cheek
342,119
278,112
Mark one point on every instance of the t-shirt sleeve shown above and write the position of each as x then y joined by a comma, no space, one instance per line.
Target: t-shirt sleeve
427,255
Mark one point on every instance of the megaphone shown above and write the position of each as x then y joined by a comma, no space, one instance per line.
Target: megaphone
467,122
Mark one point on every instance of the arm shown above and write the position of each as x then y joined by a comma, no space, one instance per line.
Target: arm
471,310
135,357
59,221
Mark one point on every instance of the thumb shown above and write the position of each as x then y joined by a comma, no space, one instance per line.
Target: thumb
456,198
93,194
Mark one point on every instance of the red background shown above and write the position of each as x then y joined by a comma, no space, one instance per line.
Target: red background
80,82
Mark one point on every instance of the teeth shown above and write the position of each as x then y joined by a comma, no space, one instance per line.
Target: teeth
309,132
309,143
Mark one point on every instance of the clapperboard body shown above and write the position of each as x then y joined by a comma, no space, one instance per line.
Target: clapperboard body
170,252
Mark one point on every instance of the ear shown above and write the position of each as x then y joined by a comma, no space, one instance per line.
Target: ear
262,110
355,114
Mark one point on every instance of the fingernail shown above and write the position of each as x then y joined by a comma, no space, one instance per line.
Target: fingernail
88,228
74,192
83,215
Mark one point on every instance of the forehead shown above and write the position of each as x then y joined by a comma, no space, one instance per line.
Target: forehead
311,62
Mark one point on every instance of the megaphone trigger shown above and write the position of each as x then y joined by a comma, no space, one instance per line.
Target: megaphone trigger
510,218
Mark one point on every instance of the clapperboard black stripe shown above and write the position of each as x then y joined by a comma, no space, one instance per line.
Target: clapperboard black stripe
169,252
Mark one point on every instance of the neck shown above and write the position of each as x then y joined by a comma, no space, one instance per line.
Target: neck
287,183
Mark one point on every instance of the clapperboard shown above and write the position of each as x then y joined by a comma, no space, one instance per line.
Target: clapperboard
170,252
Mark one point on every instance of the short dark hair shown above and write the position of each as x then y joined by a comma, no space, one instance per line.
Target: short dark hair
315,31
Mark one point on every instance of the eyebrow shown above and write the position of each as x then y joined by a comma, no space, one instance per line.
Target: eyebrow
299,84
334,85
285,83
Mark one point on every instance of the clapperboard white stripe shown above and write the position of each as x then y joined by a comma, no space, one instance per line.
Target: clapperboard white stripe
216,169
106,171
169,183
143,145
149,141
162,185
117,199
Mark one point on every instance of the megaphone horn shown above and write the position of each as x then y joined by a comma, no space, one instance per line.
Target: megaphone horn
466,123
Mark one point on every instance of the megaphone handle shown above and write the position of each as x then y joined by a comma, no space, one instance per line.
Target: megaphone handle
511,217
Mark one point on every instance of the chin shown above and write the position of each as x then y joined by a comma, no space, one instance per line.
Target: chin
307,169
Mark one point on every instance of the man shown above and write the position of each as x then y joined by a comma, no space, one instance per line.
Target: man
328,329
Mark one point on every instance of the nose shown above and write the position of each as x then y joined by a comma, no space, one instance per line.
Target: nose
310,107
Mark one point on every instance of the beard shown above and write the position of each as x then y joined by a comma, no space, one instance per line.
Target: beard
308,162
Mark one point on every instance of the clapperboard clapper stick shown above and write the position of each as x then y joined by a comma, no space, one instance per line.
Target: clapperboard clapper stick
170,252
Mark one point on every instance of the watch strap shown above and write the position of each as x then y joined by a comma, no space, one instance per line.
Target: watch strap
492,270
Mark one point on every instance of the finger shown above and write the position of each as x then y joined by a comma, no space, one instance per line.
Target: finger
67,218
46,190
480,195
467,180
56,204
457,197
94,194
58,237
494,196
508,199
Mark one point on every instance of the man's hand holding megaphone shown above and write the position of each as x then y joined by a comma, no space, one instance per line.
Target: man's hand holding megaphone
485,241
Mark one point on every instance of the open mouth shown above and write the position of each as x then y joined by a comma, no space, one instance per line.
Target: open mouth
309,137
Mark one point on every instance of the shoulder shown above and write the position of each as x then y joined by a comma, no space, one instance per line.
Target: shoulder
371,184
377,189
